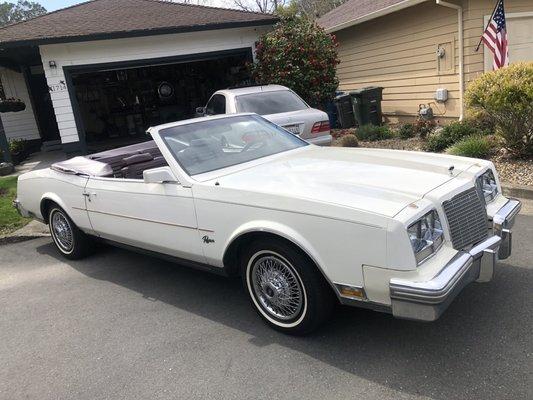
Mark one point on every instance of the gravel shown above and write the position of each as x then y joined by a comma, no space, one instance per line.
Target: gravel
513,171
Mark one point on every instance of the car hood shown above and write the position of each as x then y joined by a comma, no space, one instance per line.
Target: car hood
373,180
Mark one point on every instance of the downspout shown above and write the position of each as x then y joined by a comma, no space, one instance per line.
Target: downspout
461,48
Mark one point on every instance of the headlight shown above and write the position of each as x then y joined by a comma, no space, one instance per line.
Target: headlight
487,186
426,236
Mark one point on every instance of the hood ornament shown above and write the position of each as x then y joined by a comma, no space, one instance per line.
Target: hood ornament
450,169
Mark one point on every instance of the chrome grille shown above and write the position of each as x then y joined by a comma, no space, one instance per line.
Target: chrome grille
467,218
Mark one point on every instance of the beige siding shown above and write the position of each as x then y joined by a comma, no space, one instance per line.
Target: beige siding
397,52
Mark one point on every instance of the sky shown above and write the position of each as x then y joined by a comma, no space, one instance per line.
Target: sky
52,5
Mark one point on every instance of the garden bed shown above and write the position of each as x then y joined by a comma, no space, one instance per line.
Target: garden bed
515,171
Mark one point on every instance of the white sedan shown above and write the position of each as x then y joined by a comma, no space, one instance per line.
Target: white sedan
277,104
305,226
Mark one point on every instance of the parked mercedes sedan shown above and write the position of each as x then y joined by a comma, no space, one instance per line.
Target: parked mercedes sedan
305,226
276,103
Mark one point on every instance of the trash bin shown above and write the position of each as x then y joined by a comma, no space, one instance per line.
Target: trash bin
366,104
345,117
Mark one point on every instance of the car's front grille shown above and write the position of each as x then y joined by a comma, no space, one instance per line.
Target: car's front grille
467,218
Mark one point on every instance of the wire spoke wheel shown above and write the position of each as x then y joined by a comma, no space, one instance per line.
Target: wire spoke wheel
277,287
62,231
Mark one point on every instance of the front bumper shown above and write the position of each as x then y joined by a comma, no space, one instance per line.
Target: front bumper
427,300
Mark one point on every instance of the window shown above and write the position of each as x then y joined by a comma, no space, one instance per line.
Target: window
216,105
210,145
265,103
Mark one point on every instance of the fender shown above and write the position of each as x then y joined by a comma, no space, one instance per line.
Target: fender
285,232
56,199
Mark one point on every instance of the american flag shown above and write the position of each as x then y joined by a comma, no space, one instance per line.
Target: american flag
495,37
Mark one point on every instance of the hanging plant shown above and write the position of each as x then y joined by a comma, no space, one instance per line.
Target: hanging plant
12,105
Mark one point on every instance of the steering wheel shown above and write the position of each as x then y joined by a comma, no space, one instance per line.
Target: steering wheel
256,144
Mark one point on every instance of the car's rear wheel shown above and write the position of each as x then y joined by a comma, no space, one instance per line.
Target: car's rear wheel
68,238
285,287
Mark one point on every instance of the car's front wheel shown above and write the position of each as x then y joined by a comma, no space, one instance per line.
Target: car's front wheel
68,238
285,287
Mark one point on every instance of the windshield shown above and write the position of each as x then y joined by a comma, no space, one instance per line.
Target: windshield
265,103
214,144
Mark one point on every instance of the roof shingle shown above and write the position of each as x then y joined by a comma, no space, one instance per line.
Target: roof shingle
353,10
100,19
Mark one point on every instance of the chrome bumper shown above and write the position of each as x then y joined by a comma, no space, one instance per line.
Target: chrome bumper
502,224
426,301
21,210
324,140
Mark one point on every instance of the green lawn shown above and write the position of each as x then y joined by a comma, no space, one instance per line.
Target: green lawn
10,220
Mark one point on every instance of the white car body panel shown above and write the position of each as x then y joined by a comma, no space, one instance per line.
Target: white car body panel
153,216
348,209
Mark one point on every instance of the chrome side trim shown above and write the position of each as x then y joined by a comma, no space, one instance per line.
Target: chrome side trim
147,220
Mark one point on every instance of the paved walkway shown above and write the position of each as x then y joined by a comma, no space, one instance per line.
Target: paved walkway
39,160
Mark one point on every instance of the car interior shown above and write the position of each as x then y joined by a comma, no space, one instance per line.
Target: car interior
130,162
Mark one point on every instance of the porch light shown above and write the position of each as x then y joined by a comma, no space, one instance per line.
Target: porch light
52,64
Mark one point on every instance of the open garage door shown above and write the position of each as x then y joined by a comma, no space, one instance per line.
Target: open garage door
116,103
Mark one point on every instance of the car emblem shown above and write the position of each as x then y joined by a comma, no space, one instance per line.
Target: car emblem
450,170
207,239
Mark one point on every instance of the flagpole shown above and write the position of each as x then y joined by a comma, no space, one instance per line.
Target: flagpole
488,23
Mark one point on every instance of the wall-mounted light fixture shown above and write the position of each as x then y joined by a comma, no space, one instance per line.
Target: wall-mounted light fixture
52,64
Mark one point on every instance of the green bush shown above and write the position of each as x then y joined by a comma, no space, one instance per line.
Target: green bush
476,146
349,141
17,145
372,132
506,95
407,131
299,54
451,134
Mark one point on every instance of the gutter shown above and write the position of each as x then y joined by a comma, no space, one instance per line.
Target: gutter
384,11
461,51
134,33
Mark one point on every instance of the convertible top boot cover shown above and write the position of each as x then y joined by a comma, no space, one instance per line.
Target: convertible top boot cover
83,166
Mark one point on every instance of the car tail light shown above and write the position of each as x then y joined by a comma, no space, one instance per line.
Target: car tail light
322,126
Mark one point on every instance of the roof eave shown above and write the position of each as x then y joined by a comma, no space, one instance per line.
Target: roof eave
380,13
136,33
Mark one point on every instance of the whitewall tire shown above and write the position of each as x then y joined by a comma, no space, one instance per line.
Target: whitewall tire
285,287
68,238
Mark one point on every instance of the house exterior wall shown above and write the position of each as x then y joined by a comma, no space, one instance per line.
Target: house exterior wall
22,124
128,49
398,52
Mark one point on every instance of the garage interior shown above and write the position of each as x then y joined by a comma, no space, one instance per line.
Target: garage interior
116,104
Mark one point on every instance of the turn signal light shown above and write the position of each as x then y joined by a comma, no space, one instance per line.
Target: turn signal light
322,126
351,292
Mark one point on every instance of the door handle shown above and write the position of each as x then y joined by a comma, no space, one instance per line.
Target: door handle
88,195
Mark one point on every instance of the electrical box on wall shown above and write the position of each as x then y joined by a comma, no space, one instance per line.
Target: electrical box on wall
441,95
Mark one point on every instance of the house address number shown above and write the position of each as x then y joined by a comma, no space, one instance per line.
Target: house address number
57,87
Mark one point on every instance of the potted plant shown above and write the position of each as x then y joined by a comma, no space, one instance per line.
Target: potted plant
18,150
11,105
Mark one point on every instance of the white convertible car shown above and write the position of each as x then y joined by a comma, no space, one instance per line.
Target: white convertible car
305,226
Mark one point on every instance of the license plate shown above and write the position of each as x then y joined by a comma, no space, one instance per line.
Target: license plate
294,129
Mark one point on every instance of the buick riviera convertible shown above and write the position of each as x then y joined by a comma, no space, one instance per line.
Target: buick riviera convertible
305,226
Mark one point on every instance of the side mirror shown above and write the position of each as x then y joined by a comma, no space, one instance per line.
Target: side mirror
200,111
159,175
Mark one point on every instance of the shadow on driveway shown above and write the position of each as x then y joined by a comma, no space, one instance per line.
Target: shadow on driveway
480,348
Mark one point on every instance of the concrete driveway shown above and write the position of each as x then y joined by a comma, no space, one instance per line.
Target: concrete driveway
123,326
